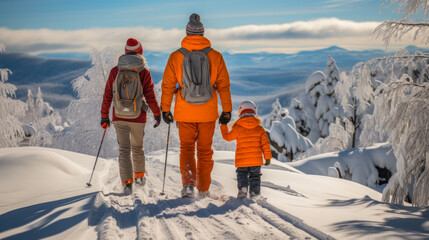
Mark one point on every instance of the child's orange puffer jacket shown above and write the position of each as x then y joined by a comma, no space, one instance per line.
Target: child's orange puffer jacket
252,141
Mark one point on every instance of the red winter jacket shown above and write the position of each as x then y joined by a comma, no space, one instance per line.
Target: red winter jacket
148,92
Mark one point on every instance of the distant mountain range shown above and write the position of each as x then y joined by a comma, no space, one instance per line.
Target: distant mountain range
53,76
259,76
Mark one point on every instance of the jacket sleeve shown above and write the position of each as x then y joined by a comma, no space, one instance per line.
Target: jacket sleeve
149,93
228,136
108,94
265,144
223,86
168,85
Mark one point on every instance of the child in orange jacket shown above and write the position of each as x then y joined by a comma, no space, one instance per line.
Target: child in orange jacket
252,143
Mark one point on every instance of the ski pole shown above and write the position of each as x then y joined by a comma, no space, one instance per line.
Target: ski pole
165,164
102,139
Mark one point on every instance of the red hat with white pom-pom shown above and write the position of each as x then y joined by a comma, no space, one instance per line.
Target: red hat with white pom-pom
133,45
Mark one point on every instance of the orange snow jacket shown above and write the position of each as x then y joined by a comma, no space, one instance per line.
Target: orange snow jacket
252,141
184,111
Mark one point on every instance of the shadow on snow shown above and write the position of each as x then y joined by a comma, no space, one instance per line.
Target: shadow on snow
44,216
412,222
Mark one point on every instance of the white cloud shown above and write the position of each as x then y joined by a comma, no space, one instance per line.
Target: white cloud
288,37
340,3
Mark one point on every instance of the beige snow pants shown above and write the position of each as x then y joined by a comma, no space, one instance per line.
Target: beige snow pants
130,139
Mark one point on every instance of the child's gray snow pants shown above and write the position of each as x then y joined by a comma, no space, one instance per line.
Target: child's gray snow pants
249,177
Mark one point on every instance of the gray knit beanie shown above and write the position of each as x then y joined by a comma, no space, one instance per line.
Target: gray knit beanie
195,26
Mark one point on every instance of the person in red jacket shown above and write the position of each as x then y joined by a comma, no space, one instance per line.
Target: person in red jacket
252,142
130,132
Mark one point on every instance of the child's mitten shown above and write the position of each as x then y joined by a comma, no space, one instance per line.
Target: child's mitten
267,162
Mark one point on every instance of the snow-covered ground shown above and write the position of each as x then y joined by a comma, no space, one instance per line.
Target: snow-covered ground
43,194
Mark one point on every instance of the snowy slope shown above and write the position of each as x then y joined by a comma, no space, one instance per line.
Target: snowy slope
356,164
43,194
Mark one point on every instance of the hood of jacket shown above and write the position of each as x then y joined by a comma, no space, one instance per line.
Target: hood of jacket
248,122
195,42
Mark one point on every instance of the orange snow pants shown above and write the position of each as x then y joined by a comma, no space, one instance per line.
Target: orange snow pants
197,174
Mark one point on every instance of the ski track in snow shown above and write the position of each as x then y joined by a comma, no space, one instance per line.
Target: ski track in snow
146,214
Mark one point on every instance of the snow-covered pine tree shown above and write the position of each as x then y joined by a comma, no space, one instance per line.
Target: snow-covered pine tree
11,132
296,111
30,108
355,94
402,112
277,114
314,87
321,88
285,136
332,73
47,122
40,104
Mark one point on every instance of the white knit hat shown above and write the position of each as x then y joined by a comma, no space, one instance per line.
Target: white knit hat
247,107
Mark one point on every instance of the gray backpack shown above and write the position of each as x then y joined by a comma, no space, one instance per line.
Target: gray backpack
196,76
128,97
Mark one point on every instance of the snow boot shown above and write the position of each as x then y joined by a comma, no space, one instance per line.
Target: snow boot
188,191
204,194
141,181
254,194
128,189
140,178
128,186
242,193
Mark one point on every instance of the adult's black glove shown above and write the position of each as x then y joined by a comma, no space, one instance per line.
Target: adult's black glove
225,117
105,123
167,117
158,121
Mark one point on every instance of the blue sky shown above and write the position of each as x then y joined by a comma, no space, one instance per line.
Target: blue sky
77,14
76,26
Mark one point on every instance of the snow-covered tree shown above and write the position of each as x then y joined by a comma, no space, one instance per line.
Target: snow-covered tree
321,89
83,115
314,87
290,143
11,110
40,122
332,73
396,29
30,107
402,112
314,111
300,116
277,114
339,139
355,93
40,104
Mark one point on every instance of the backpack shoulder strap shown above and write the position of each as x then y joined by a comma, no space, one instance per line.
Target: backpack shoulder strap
206,50
184,51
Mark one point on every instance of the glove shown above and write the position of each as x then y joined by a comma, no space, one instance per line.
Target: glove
167,117
105,123
158,121
225,117
267,162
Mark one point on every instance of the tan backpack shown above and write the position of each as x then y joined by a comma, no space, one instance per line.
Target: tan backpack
128,99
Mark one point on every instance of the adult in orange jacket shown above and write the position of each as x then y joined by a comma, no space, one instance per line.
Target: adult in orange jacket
196,122
252,142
